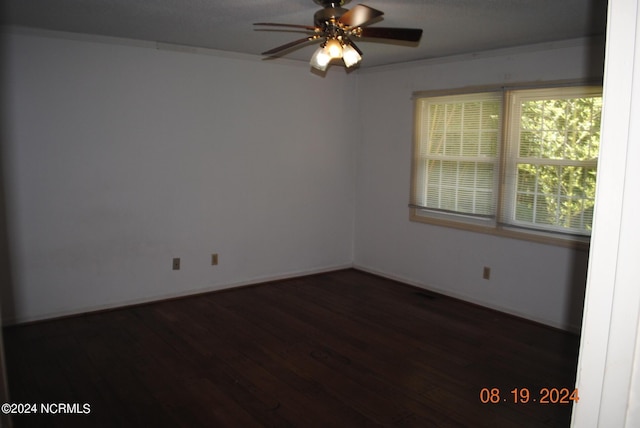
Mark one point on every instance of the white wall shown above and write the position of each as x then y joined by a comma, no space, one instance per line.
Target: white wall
119,157
540,282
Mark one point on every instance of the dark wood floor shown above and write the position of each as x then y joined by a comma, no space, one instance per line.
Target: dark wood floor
342,349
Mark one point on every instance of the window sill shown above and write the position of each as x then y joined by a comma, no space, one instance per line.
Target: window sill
549,238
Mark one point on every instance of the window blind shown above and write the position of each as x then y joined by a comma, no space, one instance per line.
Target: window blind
457,153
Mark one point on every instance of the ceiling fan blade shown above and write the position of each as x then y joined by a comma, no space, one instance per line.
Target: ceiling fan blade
359,15
289,45
271,24
405,34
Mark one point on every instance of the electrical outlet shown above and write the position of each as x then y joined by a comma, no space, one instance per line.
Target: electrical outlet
214,259
486,272
176,263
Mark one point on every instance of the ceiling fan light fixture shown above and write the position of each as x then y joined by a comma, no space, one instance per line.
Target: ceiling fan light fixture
334,48
320,59
335,26
350,56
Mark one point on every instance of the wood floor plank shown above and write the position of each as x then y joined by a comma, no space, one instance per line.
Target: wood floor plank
344,348
232,350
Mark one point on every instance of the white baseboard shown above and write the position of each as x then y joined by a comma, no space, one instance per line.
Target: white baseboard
283,276
561,326
131,302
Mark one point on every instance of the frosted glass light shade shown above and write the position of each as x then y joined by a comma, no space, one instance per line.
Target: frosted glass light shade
320,59
334,48
350,56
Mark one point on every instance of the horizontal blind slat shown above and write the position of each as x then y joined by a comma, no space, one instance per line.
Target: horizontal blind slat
458,147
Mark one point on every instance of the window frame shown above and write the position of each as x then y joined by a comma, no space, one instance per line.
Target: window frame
494,225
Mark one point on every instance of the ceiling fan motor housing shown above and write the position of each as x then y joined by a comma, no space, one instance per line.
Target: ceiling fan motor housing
327,14
331,3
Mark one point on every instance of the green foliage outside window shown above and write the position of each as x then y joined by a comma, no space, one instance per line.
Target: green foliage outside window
556,173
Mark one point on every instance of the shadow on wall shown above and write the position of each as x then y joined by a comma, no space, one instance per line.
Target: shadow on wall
578,282
7,309
6,284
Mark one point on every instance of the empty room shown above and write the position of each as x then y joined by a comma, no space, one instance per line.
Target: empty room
320,213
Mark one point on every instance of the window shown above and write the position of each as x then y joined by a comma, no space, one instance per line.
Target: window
518,162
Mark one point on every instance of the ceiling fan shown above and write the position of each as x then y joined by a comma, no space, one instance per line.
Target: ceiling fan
336,27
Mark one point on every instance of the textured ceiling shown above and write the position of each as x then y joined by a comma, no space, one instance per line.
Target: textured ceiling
450,26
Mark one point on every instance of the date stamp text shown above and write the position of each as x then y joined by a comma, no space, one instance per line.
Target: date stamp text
524,396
